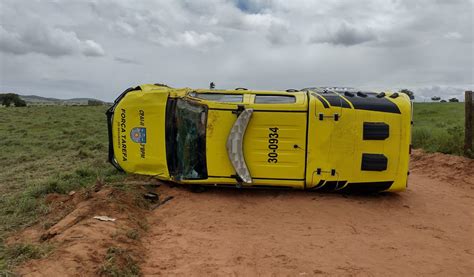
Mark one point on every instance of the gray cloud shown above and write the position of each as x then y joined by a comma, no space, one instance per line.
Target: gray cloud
40,39
190,39
345,35
126,61
92,49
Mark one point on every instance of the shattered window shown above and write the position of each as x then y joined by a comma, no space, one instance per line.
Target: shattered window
219,97
186,139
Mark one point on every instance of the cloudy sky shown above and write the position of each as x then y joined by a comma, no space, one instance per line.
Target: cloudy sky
98,48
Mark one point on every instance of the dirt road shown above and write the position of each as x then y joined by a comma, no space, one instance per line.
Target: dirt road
427,230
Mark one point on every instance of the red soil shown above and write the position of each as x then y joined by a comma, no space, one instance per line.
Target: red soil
427,230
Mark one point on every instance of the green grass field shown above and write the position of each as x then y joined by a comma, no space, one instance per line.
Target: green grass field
439,127
60,149
45,150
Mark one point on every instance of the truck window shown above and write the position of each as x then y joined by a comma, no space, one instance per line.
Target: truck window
219,97
274,99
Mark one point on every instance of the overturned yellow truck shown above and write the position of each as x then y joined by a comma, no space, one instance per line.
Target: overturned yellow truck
316,138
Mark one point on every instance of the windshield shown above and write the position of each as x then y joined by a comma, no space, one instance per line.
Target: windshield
186,139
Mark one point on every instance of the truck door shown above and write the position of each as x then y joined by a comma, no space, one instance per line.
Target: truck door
275,139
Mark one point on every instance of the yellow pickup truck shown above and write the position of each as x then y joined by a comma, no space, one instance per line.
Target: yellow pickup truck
315,138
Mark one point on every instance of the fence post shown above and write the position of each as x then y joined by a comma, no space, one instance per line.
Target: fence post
469,123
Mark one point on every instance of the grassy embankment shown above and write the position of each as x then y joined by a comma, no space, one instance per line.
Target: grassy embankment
45,150
439,127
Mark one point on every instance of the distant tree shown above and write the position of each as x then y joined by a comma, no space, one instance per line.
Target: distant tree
454,99
7,99
94,103
443,101
20,103
4,100
408,92
435,98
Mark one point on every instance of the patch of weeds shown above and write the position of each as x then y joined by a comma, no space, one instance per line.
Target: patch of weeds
85,172
54,146
97,146
22,209
47,224
132,234
25,205
113,175
11,142
140,201
19,211
84,154
25,158
120,186
85,142
117,234
453,141
143,224
422,138
119,262
62,183
15,254
68,132
448,141
50,186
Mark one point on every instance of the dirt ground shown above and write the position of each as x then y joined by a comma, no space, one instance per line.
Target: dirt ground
427,230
